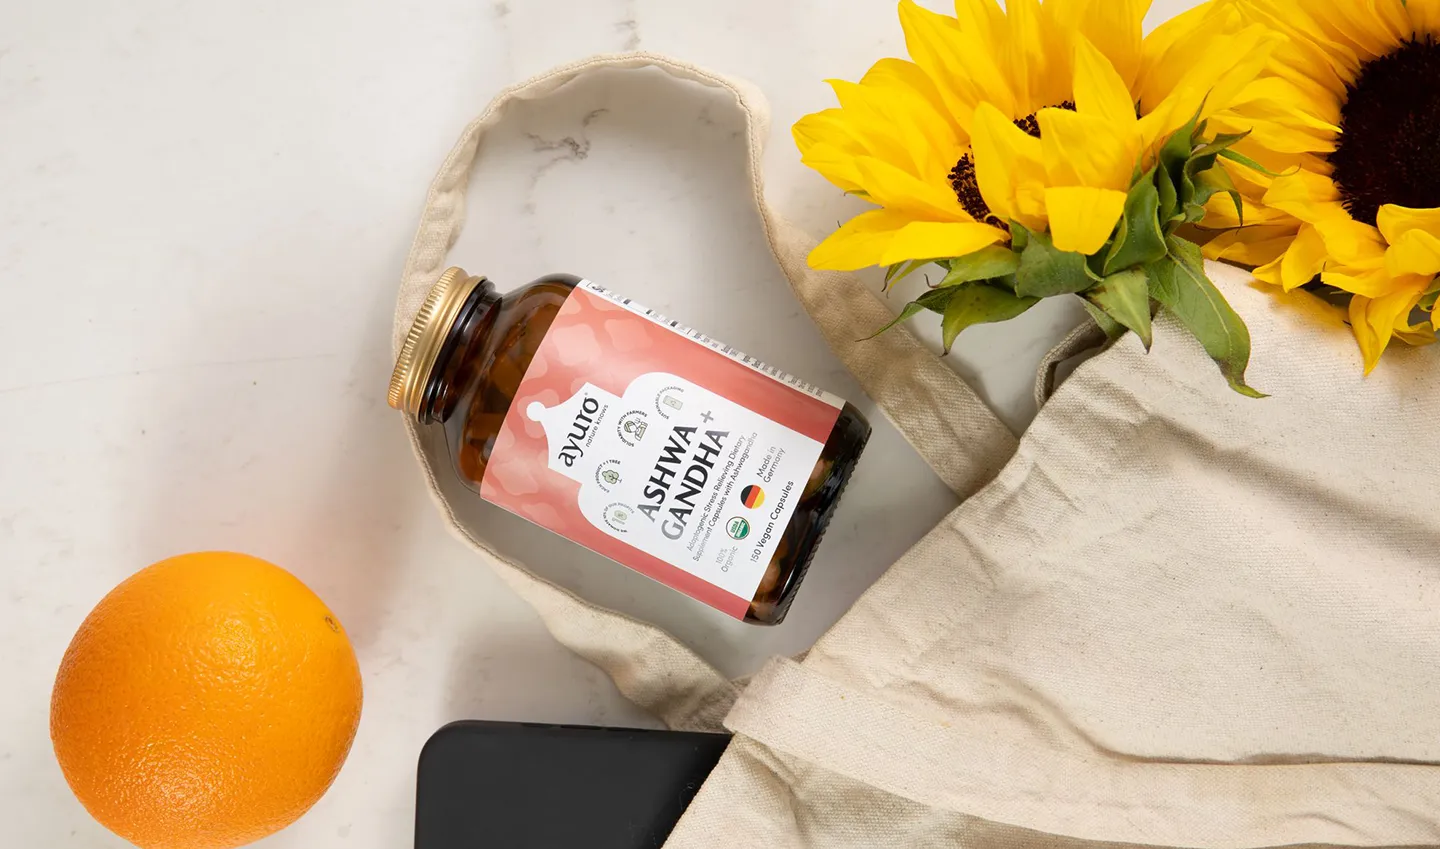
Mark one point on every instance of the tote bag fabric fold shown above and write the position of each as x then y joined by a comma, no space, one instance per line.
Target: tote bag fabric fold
1168,615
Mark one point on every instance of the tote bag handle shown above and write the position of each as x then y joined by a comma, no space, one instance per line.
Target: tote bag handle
937,412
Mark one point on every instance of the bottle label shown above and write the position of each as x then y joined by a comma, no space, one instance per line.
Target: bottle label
659,448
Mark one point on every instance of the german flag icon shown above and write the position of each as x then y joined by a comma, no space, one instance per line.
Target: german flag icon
752,496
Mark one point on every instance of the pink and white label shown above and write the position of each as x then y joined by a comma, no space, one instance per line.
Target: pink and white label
659,448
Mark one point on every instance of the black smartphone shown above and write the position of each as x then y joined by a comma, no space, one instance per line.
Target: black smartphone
517,785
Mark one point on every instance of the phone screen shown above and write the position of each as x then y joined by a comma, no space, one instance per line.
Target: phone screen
497,785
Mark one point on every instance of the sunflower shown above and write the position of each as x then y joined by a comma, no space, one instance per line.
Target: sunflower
1039,115
1348,131
1042,150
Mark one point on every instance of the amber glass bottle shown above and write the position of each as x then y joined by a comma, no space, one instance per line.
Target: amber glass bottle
673,454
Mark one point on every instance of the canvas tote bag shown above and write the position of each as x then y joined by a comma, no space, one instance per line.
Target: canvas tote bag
1168,616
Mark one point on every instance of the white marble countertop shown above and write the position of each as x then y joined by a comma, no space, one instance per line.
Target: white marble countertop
204,209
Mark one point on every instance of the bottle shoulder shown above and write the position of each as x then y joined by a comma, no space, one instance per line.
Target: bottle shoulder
569,281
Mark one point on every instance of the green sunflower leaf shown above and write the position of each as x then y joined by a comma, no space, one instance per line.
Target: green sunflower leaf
934,300
1019,236
1175,156
1125,297
1221,143
1169,209
1136,175
899,271
980,303
1112,328
1179,283
1213,182
1204,157
1175,153
1242,159
984,264
911,310
1045,271
1139,238
1007,282
1186,190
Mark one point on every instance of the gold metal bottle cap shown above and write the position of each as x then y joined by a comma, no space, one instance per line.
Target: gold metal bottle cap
427,334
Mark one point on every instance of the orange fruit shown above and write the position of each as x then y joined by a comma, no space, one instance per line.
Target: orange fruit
207,701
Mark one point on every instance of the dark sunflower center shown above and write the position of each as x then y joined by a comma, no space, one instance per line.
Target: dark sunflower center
967,186
1389,145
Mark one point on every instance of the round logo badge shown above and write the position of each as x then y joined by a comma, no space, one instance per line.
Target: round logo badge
752,496
737,528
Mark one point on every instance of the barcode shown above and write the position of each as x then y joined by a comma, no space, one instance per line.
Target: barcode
715,344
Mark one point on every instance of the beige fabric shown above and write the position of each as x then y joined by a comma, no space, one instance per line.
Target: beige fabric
1086,338
1176,617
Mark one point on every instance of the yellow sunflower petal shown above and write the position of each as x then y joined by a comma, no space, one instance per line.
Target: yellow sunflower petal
1372,344
874,117
897,99
835,165
1216,78
1302,194
1285,122
896,189
1414,237
1030,204
1304,260
1375,320
1314,199
1024,54
1419,334
1081,218
1374,27
1086,150
1278,138
983,15
1394,21
1220,214
1008,166
1173,53
1252,245
827,145
1058,47
1368,283
1279,99
860,243
1270,271
1310,55
1425,15
1395,221
1415,252
960,59
826,127
1115,27
1099,90
939,240
1159,73
1351,242
909,79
